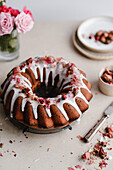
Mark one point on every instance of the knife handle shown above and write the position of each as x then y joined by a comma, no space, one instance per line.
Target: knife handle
93,131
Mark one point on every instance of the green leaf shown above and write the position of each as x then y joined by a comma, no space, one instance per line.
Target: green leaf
1,3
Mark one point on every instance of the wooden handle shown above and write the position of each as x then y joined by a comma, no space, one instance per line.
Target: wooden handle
94,130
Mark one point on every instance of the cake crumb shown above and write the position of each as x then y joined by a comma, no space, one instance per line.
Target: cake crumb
14,155
96,93
109,148
10,141
1,145
91,162
80,137
48,149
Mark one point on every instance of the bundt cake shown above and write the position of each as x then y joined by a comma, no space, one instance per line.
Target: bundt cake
46,92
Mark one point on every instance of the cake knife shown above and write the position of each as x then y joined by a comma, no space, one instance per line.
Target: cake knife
96,127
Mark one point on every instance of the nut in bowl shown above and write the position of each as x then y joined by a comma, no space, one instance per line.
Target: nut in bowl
106,80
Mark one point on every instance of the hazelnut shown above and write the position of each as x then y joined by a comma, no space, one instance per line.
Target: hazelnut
105,34
97,38
91,36
99,33
110,36
108,41
111,32
103,39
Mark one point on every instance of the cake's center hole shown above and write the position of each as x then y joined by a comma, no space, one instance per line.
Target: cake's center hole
51,91
47,92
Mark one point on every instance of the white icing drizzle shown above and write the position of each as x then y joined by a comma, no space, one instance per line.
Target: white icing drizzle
57,69
34,69
48,112
34,105
24,101
16,94
29,83
10,87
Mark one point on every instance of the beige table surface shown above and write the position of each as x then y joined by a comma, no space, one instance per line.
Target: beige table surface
52,38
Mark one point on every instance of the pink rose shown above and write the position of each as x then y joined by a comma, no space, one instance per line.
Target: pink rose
24,22
27,11
6,23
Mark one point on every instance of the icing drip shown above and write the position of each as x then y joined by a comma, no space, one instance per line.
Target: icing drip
34,105
34,69
16,94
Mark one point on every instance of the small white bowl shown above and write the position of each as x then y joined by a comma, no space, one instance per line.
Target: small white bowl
105,88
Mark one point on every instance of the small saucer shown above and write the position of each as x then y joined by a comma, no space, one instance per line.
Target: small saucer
88,53
105,88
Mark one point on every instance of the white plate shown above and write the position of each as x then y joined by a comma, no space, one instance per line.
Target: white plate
88,53
93,25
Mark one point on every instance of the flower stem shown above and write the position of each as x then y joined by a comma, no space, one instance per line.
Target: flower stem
9,42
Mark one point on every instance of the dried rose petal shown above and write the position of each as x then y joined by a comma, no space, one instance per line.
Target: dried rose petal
78,166
16,70
86,155
71,153
1,154
30,60
64,97
18,80
102,164
70,168
41,101
47,101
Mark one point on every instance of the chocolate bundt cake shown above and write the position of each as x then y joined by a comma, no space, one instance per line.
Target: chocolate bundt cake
46,92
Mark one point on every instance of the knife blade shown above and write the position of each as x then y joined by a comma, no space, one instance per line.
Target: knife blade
108,111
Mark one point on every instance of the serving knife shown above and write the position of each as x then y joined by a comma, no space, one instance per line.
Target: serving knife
96,127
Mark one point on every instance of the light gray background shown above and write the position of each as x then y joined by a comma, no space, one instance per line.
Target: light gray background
65,9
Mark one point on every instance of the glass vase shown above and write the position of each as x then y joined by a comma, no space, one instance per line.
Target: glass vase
9,46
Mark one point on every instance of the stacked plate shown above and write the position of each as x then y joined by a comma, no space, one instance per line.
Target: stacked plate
90,47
